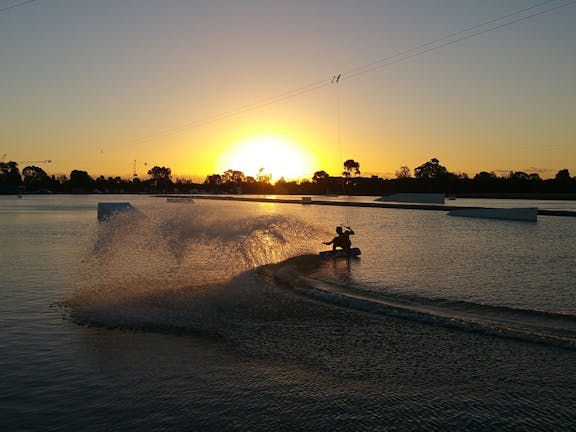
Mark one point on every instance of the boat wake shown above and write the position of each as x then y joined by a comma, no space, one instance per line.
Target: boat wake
523,324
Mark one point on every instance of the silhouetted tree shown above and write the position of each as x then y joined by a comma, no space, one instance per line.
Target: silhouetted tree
35,178
101,183
213,182
320,177
519,181
10,174
160,179
484,176
563,176
534,177
61,180
517,178
80,180
136,185
233,177
403,172
485,181
116,184
162,175
263,177
349,166
431,170
286,187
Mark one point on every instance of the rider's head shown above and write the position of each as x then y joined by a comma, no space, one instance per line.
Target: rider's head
339,230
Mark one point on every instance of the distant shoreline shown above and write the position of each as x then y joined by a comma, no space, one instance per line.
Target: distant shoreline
520,196
406,206
516,196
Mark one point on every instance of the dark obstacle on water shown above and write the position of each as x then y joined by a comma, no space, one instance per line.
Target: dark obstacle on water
436,207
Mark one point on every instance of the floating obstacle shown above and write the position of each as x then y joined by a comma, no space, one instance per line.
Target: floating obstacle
429,198
107,210
528,214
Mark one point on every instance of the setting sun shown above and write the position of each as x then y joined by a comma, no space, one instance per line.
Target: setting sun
269,154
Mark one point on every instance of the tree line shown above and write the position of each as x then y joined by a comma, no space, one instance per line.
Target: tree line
430,177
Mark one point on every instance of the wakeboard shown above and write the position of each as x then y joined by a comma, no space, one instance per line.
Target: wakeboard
341,253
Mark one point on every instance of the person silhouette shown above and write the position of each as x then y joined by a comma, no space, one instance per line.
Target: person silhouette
342,240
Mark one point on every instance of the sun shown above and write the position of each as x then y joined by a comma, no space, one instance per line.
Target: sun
268,154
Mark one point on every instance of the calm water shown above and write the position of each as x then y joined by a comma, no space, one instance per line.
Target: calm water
220,316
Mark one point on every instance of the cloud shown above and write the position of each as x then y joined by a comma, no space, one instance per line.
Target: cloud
539,170
503,172
531,170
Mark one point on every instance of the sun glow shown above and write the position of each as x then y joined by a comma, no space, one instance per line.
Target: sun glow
273,155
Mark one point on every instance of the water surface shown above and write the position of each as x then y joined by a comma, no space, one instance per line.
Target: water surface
220,316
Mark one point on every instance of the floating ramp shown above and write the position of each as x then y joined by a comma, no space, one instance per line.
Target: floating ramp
528,214
107,210
429,198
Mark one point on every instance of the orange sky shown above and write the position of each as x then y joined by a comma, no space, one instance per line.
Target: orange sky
199,87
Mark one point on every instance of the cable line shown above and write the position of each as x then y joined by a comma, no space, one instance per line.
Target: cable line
453,38
17,5
241,110
436,44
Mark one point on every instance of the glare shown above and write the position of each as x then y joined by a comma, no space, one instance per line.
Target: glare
274,155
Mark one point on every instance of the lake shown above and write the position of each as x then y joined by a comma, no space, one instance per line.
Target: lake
220,316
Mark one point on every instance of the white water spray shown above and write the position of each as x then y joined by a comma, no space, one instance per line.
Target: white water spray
191,247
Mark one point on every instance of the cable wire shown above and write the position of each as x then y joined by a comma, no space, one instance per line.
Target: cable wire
16,5
436,44
454,38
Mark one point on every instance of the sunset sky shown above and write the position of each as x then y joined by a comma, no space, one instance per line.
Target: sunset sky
201,86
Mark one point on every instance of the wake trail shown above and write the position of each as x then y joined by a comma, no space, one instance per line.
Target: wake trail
523,324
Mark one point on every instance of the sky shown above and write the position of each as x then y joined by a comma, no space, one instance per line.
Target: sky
115,87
